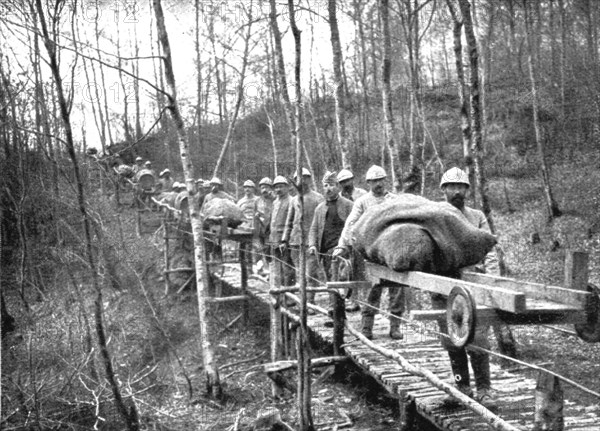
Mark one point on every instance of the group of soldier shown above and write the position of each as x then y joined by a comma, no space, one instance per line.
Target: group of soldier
327,222
274,214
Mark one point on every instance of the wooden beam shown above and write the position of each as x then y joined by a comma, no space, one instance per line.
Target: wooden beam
531,290
349,284
315,362
491,296
227,299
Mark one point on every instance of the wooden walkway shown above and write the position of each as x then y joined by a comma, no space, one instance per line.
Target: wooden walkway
515,392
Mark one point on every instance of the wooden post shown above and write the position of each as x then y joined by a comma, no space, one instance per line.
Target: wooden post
244,278
408,414
548,404
339,315
166,254
576,270
276,341
286,337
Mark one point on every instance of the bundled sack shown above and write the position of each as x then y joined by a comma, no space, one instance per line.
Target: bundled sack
125,171
216,209
412,233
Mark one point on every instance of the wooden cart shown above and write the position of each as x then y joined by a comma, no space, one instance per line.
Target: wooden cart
485,298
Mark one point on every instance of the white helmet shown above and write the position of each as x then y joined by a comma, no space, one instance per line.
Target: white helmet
305,173
266,181
164,172
344,175
249,183
280,179
455,176
375,173
176,185
216,180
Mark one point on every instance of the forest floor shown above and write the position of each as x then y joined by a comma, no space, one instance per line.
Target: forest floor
155,339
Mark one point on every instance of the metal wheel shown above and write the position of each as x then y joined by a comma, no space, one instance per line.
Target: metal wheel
461,316
590,331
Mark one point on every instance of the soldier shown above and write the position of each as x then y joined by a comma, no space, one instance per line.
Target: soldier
217,191
148,166
375,177
292,236
327,226
346,179
247,204
455,186
282,265
165,181
262,220
138,166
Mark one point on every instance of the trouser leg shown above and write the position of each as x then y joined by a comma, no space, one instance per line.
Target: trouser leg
373,299
480,361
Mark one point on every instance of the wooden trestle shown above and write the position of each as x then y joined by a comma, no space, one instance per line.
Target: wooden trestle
415,394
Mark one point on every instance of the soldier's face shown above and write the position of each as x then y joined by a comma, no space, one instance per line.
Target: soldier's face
346,184
249,191
281,190
455,194
331,190
377,187
265,190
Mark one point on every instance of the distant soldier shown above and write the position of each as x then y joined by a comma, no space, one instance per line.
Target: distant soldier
262,220
139,165
148,166
346,179
292,235
375,177
282,265
247,204
165,181
327,226
216,191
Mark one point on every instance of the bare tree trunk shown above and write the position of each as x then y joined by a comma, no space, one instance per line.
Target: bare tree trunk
198,79
551,205
465,120
130,417
340,110
240,94
280,69
213,384
386,95
304,387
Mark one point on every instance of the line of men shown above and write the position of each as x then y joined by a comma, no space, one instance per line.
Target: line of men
328,227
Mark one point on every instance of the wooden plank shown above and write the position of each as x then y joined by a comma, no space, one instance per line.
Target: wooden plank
531,290
349,284
491,296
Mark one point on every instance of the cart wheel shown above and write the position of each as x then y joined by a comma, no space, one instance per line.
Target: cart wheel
460,316
590,331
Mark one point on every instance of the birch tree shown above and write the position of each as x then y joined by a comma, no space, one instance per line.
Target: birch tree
211,372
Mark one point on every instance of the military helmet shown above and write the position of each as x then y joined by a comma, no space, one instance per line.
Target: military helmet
375,173
455,176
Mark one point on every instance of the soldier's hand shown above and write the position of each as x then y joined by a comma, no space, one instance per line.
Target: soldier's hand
339,252
312,250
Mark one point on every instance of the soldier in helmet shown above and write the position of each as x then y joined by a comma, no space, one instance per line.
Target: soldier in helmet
376,177
216,191
455,187
298,225
165,180
282,265
349,191
262,220
138,166
247,204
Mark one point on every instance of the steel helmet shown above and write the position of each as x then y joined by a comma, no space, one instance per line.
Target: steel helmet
249,183
176,185
139,159
455,176
148,163
375,173
215,180
280,179
266,181
344,175
164,172
305,173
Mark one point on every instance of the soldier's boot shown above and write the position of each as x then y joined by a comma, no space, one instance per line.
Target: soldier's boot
395,333
367,326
